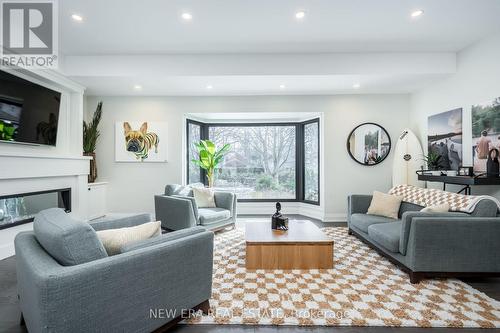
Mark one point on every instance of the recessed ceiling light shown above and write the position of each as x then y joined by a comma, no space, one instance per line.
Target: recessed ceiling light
356,85
300,14
137,87
417,13
282,86
209,86
77,17
187,16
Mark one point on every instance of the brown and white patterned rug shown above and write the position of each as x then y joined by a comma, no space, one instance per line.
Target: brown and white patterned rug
363,289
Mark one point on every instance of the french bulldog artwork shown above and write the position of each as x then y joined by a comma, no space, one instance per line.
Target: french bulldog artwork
140,141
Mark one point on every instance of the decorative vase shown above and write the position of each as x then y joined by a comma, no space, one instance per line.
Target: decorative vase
93,167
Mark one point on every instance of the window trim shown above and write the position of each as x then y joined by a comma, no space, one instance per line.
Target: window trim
299,155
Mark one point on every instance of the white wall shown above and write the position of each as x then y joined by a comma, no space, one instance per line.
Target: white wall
30,168
477,80
132,185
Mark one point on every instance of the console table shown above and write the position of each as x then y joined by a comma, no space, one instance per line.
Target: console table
465,181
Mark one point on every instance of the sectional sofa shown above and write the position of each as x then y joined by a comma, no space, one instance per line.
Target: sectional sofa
451,244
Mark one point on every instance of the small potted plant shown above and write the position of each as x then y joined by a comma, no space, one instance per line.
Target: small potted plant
90,136
433,161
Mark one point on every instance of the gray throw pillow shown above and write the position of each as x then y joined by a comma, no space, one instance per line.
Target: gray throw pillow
70,242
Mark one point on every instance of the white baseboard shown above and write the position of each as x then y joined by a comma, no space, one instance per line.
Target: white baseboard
7,239
335,218
266,208
300,208
313,211
7,250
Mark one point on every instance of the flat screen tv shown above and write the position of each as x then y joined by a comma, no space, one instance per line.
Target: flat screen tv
29,112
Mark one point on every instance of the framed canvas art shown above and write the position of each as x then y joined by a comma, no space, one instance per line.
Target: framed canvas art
444,137
485,132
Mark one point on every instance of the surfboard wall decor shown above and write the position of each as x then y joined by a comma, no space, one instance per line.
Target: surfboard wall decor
408,158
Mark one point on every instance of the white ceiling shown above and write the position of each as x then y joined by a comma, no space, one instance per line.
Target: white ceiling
258,85
242,27
221,26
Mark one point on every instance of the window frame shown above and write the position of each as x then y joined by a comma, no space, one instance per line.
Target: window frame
299,154
188,157
303,124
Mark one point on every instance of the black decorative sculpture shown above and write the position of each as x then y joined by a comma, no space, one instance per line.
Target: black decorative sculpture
278,209
278,221
492,166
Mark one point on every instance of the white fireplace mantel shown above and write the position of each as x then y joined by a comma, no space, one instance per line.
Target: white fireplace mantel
26,174
37,166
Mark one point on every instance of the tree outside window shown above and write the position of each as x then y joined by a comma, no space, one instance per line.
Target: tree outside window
311,161
261,163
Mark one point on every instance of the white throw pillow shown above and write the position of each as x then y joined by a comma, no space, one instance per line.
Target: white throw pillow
114,239
385,205
442,208
204,197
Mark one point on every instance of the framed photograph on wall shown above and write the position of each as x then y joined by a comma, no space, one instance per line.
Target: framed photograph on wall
465,171
444,137
485,132
141,141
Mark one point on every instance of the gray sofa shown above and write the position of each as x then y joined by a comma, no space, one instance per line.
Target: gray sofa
449,244
177,209
67,282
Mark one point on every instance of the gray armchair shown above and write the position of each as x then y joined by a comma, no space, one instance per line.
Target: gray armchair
177,209
80,288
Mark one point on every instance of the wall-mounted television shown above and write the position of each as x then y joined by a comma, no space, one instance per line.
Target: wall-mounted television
29,113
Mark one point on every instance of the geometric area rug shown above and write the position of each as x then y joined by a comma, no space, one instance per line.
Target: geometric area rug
363,289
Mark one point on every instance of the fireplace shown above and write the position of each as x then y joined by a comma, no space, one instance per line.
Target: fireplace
21,208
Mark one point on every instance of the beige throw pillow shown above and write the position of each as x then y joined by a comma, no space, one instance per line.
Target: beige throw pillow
442,208
114,239
204,197
385,205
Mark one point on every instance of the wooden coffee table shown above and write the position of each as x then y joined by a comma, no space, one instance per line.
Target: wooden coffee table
303,246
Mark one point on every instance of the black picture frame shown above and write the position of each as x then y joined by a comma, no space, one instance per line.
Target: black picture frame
349,147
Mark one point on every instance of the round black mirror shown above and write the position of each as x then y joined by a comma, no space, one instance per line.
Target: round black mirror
369,144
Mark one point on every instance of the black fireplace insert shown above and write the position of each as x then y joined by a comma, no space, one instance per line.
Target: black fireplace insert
21,208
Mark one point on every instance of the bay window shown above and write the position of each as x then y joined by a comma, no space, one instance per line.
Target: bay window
266,162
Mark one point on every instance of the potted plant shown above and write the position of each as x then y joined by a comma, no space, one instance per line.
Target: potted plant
90,136
209,158
433,161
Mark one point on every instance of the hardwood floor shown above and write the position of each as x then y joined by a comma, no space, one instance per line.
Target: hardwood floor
10,314
294,329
